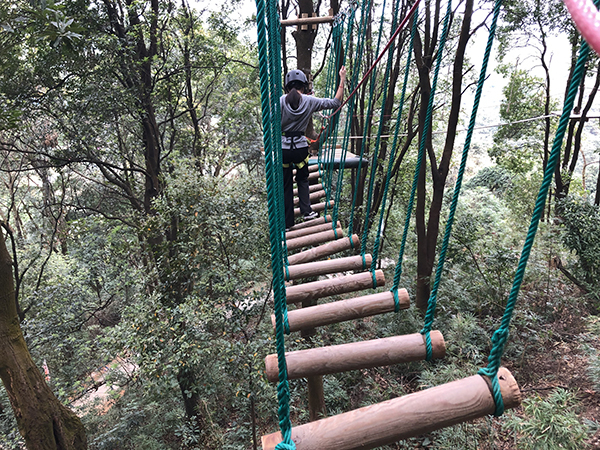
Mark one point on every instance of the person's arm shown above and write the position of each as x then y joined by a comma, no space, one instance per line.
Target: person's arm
340,90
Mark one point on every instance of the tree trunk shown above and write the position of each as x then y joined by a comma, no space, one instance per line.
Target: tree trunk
43,421
427,238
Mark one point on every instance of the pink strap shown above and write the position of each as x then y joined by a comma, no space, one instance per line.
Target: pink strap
587,18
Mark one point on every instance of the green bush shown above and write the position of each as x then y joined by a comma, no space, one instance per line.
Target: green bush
548,423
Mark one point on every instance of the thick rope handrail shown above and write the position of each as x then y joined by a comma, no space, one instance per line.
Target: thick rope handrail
501,335
270,84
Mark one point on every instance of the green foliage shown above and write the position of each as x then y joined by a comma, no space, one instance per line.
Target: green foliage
548,423
581,235
496,178
518,146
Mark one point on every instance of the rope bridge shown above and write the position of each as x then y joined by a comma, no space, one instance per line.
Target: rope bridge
490,391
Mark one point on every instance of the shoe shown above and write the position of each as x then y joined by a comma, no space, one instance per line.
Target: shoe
311,215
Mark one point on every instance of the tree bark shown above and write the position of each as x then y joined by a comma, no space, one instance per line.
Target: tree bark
427,237
43,421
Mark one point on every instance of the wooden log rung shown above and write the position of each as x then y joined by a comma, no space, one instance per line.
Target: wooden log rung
315,269
311,188
334,286
314,239
294,233
311,223
318,207
344,310
356,355
311,168
307,20
324,250
313,197
403,417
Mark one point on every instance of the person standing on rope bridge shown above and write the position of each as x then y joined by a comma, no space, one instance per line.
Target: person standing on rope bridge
296,111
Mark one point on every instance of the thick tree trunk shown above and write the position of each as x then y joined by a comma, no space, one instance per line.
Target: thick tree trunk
43,421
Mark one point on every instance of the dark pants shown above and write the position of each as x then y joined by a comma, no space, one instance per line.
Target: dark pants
295,156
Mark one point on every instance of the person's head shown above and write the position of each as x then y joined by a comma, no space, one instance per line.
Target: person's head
295,85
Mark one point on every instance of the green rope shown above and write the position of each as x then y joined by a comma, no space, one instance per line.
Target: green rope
337,60
366,8
393,155
501,335
366,132
429,316
420,157
270,84
377,147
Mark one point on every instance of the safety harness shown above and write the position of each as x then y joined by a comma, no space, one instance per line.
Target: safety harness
294,134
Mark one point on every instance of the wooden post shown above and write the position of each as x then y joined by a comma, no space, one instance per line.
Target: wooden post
356,355
334,286
314,239
344,310
316,398
322,251
314,269
403,417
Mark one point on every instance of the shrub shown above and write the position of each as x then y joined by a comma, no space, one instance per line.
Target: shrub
548,423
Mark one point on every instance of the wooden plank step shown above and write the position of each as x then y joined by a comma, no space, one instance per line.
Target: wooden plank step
345,310
333,286
356,355
324,250
404,417
313,197
314,239
310,230
317,268
318,207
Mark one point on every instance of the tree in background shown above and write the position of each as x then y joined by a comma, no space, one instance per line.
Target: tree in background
530,24
118,92
44,422
519,145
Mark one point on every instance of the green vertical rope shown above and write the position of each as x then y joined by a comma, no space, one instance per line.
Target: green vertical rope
326,145
420,157
392,156
375,158
270,88
365,12
501,335
366,130
431,306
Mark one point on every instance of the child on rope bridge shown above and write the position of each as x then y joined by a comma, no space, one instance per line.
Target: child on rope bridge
296,111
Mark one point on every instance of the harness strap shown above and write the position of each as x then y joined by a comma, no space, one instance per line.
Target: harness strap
299,165
294,134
